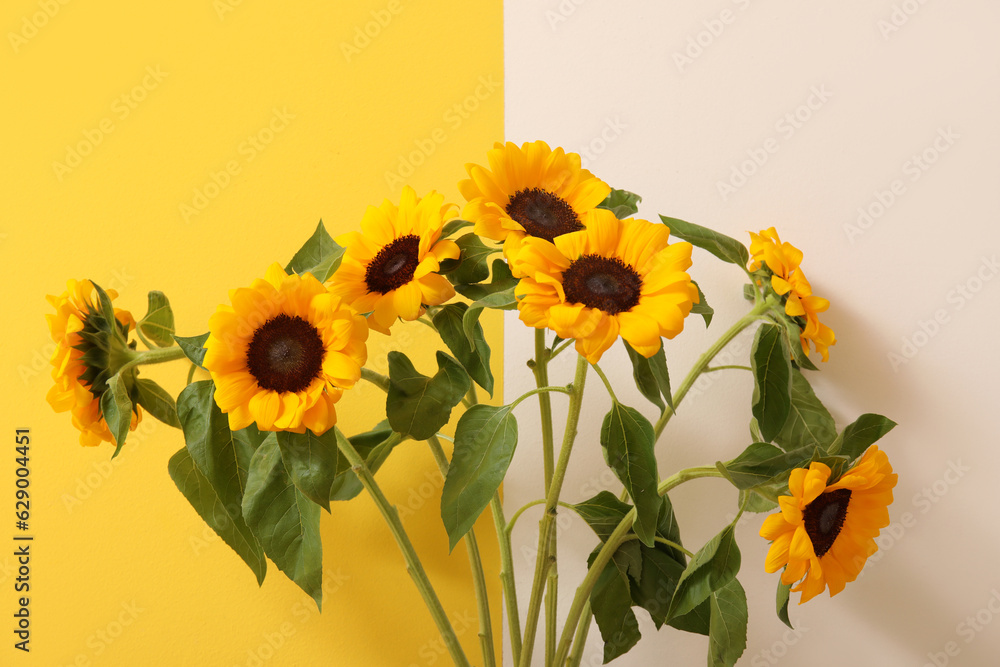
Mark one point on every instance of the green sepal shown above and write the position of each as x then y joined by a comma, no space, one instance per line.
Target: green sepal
702,308
233,530
158,323
320,256
485,440
418,406
193,348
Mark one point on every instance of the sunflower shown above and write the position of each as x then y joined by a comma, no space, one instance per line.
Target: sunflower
615,277
825,532
787,280
390,268
283,352
88,349
531,191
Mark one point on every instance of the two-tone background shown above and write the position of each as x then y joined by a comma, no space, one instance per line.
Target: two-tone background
185,147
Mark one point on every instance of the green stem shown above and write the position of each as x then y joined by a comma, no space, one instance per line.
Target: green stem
615,540
145,341
607,383
712,369
533,503
191,371
507,576
580,640
478,576
159,355
704,360
562,346
413,565
377,379
546,533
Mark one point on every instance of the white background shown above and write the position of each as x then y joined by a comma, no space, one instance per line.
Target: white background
609,78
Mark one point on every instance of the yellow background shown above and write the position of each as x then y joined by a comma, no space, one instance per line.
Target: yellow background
123,570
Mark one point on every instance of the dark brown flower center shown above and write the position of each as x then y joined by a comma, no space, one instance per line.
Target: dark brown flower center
605,283
285,354
824,519
543,214
394,265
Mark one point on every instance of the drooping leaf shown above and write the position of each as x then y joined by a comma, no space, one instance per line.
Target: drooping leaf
476,361
612,606
655,588
651,377
760,463
784,591
504,300
724,247
702,308
311,462
233,530
158,323
772,370
285,522
156,401
193,348
222,456
714,566
320,256
501,280
417,405
485,439
603,513
627,440
622,203
727,638
857,437
116,408
809,423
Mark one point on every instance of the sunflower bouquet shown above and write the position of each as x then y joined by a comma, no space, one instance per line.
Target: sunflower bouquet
540,235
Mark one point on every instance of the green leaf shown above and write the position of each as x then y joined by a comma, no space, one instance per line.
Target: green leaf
116,408
809,422
612,607
284,521
502,280
193,348
627,440
697,621
727,638
760,463
752,501
485,439
453,226
449,323
320,256
702,308
651,376
418,406
504,300
714,566
222,456
865,431
107,310
622,203
157,402
784,591
791,333
668,529
655,588
374,446
724,247
158,323
311,462
772,370
603,513
474,263
233,530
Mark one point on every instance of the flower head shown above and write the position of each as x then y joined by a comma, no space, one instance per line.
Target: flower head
282,354
88,350
529,191
825,532
781,261
614,278
390,268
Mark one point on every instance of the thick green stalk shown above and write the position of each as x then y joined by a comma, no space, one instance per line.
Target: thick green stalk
478,576
545,558
413,565
580,641
507,576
